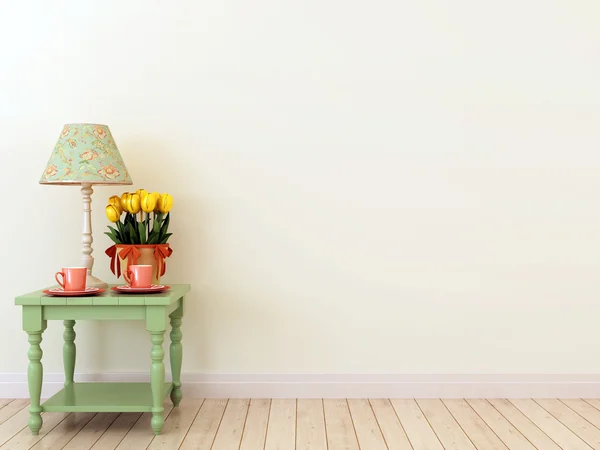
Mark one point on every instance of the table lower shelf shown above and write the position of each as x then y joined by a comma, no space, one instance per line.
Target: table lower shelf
104,397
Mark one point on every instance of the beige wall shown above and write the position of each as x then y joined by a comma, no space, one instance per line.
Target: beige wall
385,186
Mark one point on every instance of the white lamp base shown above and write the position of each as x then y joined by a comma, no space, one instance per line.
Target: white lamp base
92,281
86,238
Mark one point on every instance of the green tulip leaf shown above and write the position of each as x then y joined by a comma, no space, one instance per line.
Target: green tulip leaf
112,238
164,228
121,228
166,238
114,234
133,237
129,219
142,232
126,238
156,224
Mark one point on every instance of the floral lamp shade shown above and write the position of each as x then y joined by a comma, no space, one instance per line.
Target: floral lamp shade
85,153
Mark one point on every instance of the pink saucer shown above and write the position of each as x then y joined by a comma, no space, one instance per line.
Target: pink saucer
60,292
126,289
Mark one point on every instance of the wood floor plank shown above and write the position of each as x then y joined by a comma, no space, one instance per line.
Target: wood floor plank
366,426
141,433
314,424
281,432
502,427
203,430
338,423
5,401
393,432
91,432
310,429
474,427
447,429
60,435
14,425
25,440
255,431
416,426
560,434
177,425
12,408
522,423
230,431
573,421
584,409
117,431
594,402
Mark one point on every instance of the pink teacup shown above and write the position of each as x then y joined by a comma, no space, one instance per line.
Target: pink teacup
139,276
73,278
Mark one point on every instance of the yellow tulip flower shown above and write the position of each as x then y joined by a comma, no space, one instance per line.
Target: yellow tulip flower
124,200
112,213
156,196
115,200
142,193
133,204
165,203
148,203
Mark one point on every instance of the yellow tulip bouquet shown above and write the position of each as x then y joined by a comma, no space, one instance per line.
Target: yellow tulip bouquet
137,229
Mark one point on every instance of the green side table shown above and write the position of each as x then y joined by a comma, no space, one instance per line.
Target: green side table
154,309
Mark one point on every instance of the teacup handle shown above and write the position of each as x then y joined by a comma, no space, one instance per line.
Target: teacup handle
127,276
62,284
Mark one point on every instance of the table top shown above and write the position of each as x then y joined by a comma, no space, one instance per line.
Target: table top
108,298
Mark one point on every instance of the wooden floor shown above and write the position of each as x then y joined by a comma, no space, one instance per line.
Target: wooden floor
281,424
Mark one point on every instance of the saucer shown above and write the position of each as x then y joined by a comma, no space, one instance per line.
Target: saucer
60,292
126,289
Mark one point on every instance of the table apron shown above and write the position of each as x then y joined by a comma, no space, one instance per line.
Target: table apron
173,306
109,312
101,312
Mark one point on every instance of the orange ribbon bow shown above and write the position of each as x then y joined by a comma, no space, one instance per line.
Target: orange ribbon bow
128,252
131,254
115,266
161,252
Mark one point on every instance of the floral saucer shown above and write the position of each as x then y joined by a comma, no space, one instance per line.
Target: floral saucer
126,289
60,292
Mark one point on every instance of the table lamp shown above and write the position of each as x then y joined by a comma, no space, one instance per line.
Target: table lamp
86,154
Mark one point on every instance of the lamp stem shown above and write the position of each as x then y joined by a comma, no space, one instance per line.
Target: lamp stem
86,237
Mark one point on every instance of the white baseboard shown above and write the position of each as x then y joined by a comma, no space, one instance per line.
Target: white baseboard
14,385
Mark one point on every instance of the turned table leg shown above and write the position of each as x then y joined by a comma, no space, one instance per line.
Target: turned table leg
35,373
34,325
69,351
176,354
157,381
156,324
